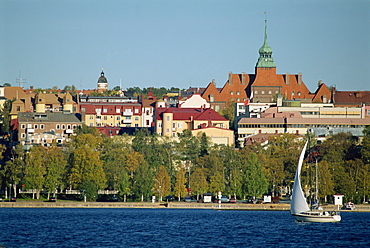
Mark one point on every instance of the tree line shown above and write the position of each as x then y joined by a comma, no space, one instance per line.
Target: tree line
145,164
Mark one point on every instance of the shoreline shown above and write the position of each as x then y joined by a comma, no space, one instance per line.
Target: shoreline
168,205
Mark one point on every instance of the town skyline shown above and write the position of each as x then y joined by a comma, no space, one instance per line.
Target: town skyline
175,44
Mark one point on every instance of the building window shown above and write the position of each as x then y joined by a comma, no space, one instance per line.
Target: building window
118,118
298,93
292,93
105,110
238,99
231,92
136,111
136,118
160,124
18,108
41,126
147,122
270,92
36,126
91,117
68,126
168,118
263,92
57,126
238,92
105,118
256,92
136,125
23,126
63,127
167,130
23,135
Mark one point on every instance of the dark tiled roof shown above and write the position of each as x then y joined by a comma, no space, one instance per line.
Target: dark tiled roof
48,117
351,97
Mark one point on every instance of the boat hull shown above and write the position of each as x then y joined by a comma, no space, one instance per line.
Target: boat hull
317,217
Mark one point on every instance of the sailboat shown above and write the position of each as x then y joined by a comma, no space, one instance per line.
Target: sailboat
299,207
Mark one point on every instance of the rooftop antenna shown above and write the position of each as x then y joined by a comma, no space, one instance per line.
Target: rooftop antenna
20,80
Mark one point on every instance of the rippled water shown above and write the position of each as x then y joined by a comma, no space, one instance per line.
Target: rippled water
175,228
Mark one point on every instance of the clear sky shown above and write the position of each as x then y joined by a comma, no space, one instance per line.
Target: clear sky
181,43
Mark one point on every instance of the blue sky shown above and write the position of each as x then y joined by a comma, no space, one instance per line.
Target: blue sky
181,43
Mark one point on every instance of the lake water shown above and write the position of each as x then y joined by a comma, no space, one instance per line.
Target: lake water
30,227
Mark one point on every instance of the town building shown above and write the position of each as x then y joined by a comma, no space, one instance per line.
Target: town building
264,86
44,128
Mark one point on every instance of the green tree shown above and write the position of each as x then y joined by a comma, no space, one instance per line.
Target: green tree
13,169
84,129
228,112
162,182
364,182
35,170
86,167
56,165
144,181
254,181
326,184
113,157
199,182
180,184
6,118
365,150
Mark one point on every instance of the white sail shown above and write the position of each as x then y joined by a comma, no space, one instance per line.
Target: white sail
299,203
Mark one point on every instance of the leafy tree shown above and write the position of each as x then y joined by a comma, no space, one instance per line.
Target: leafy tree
35,169
199,182
254,181
180,184
326,184
6,118
143,182
84,129
363,183
86,166
365,151
162,182
13,169
228,112
203,144
113,156
56,165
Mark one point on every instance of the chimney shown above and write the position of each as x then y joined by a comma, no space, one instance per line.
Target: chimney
287,81
244,78
319,83
299,78
214,82
230,78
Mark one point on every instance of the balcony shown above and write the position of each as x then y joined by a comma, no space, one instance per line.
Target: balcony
69,131
126,121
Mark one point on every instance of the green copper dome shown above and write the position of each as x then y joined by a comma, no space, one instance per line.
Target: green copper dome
265,60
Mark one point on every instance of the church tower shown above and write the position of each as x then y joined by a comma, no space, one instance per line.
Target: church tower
265,60
102,83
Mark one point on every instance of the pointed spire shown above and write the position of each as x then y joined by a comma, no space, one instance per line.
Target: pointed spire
265,60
